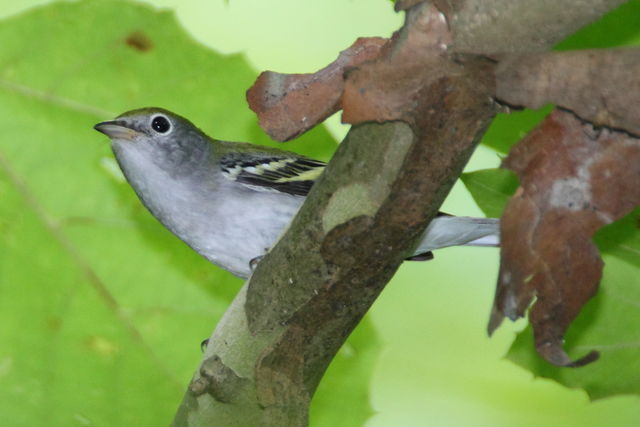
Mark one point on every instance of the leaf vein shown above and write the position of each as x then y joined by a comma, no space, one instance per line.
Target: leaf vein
86,270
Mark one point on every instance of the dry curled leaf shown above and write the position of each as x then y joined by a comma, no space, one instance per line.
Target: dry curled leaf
574,180
400,79
287,105
373,80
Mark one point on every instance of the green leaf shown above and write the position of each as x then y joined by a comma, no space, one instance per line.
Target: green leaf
507,129
616,29
621,239
609,323
491,189
102,309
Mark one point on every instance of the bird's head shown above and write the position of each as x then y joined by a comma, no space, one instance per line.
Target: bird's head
155,136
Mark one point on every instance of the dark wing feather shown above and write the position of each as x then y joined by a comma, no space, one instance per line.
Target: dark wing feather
283,173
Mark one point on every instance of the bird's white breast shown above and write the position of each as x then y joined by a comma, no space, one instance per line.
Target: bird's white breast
226,222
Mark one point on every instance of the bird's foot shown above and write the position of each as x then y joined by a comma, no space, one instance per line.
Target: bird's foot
254,263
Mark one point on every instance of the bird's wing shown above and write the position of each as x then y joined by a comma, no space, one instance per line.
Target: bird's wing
273,172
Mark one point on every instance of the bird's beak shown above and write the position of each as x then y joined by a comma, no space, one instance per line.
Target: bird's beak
116,129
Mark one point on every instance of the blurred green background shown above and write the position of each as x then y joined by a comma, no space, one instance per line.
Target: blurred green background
102,310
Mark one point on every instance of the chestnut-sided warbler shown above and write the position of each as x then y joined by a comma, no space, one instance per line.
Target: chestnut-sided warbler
231,201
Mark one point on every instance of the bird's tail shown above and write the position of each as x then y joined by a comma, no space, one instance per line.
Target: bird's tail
447,231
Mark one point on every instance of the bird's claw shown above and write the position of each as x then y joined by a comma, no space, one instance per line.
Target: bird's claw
254,262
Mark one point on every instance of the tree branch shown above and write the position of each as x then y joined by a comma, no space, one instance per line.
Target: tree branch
500,26
599,85
361,220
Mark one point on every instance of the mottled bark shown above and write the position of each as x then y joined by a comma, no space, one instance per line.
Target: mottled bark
364,216
598,85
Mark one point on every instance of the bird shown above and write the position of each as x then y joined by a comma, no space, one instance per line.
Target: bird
231,201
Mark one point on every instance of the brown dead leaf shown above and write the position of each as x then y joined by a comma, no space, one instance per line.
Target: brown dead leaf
374,80
394,85
288,105
574,180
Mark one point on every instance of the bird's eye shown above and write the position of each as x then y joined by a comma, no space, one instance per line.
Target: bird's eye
160,124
